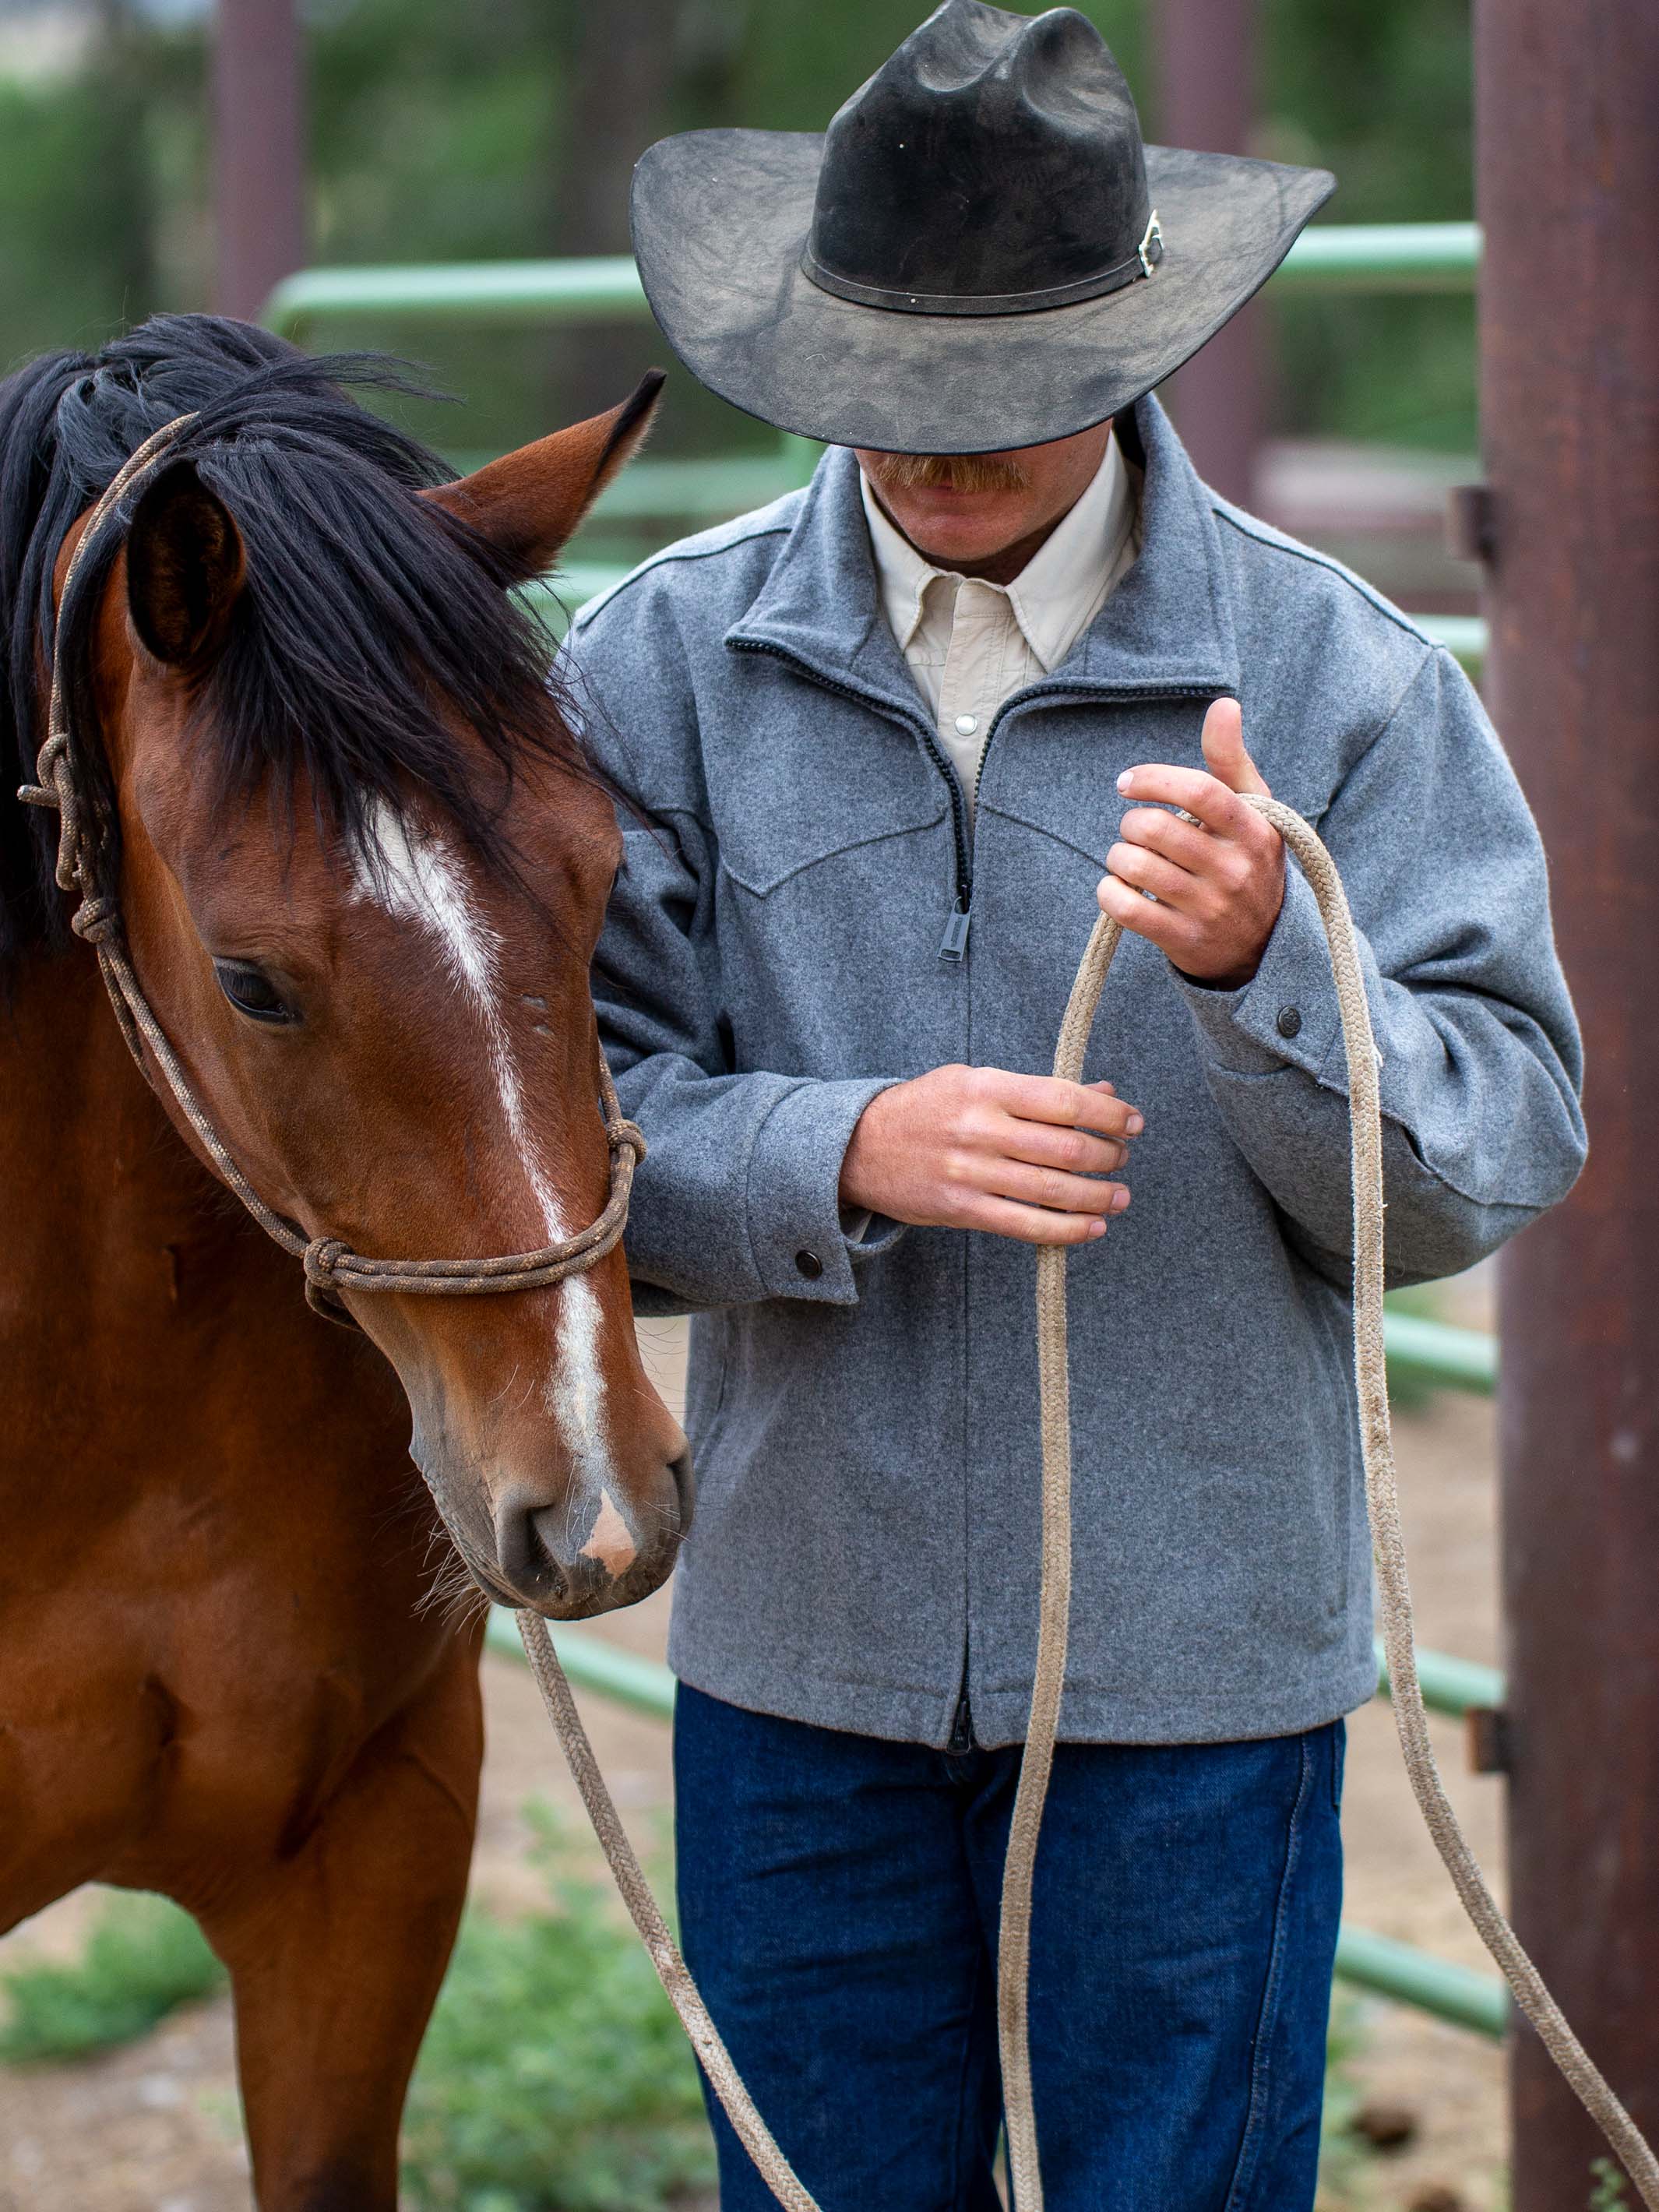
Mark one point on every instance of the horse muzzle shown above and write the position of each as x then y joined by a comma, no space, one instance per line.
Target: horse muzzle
601,1547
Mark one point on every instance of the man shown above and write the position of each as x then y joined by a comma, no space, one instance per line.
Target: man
886,737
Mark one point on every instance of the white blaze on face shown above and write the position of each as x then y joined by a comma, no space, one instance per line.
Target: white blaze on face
420,879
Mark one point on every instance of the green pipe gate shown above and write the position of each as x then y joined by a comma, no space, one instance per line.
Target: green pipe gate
1372,258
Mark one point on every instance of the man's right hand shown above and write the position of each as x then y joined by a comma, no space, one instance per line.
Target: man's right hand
1022,1156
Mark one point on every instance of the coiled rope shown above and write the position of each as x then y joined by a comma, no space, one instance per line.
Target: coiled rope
1382,1496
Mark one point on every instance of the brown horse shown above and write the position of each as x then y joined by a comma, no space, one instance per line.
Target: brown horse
361,865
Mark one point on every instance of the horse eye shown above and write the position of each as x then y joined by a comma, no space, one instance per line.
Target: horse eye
251,992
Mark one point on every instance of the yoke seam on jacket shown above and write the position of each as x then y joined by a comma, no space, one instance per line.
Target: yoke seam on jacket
596,606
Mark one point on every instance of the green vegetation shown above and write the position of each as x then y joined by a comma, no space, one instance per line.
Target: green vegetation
1341,2153
1611,2192
143,1958
555,2076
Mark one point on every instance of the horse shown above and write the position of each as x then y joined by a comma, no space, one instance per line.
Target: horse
360,862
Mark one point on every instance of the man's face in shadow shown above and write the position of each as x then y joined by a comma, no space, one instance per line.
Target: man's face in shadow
979,512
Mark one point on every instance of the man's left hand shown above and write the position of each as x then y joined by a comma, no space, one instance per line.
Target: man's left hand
1217,883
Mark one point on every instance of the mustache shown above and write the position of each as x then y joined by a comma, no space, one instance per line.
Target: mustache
965,472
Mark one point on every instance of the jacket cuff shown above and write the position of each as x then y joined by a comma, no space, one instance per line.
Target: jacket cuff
879,1233
800,1248
1286,1015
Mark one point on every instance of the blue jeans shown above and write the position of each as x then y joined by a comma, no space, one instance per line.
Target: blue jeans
838,1905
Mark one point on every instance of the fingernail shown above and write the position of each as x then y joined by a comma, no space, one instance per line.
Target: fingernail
1134,1125
1125,779
1096,1229
1119,1199
1109,1089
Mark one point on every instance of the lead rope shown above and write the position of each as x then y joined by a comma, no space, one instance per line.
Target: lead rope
1383,1497
645,1913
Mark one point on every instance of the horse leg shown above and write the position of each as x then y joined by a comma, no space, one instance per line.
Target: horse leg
337,1951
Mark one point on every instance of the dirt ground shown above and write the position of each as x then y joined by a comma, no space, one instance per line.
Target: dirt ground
153,2128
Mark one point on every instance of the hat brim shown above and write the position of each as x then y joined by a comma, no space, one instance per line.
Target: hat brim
718,221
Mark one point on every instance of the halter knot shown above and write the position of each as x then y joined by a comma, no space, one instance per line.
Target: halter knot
94,918
44,791
54,786
626,1136
320,1259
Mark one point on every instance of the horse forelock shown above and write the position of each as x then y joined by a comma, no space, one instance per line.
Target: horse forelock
374,626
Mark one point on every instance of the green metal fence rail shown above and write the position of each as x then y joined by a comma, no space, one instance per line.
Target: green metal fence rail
1352,257
1459,1994
1364,1959
1456,1687
1383,257
1422,1351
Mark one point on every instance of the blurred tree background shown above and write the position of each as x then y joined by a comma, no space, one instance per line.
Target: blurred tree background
440,132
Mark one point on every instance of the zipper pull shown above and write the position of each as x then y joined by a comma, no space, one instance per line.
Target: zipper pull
962,1728
955,946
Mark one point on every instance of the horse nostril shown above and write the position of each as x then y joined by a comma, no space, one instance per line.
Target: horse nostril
526,1563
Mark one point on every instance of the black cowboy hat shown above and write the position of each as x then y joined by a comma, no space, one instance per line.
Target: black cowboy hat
980,252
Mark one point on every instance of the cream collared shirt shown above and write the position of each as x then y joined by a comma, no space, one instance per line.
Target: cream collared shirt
969,644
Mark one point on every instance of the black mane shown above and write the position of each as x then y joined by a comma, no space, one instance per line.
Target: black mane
366,611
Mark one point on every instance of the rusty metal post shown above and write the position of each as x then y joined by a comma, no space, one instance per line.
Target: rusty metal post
1205,52
1567,109
258,150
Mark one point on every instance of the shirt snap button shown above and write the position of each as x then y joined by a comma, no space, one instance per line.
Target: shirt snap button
1290,1021
809,1265
966,725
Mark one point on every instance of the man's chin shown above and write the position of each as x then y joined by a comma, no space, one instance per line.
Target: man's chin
959,548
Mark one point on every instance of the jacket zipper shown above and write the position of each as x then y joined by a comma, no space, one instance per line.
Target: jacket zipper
1063,691
953,946
961,1740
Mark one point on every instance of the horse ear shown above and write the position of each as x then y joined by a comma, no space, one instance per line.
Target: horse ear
185,566
528,503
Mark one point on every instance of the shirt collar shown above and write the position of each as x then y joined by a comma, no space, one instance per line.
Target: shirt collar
1053,594
901,572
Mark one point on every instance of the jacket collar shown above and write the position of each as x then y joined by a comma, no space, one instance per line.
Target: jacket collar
1166,626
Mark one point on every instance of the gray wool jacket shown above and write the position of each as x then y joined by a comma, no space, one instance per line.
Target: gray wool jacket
865,1414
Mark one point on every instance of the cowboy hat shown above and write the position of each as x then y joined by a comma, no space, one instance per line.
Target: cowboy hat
979,253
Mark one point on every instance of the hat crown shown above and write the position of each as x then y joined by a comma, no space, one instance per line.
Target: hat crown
995,158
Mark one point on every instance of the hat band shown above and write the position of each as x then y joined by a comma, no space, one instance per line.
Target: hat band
1141,263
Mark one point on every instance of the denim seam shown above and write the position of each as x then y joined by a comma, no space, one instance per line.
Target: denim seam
1261,2064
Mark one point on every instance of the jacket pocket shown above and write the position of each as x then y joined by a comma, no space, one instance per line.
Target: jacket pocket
814,776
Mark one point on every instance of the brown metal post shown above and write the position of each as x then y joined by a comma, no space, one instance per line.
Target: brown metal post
1567,106
258,150
1206,83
